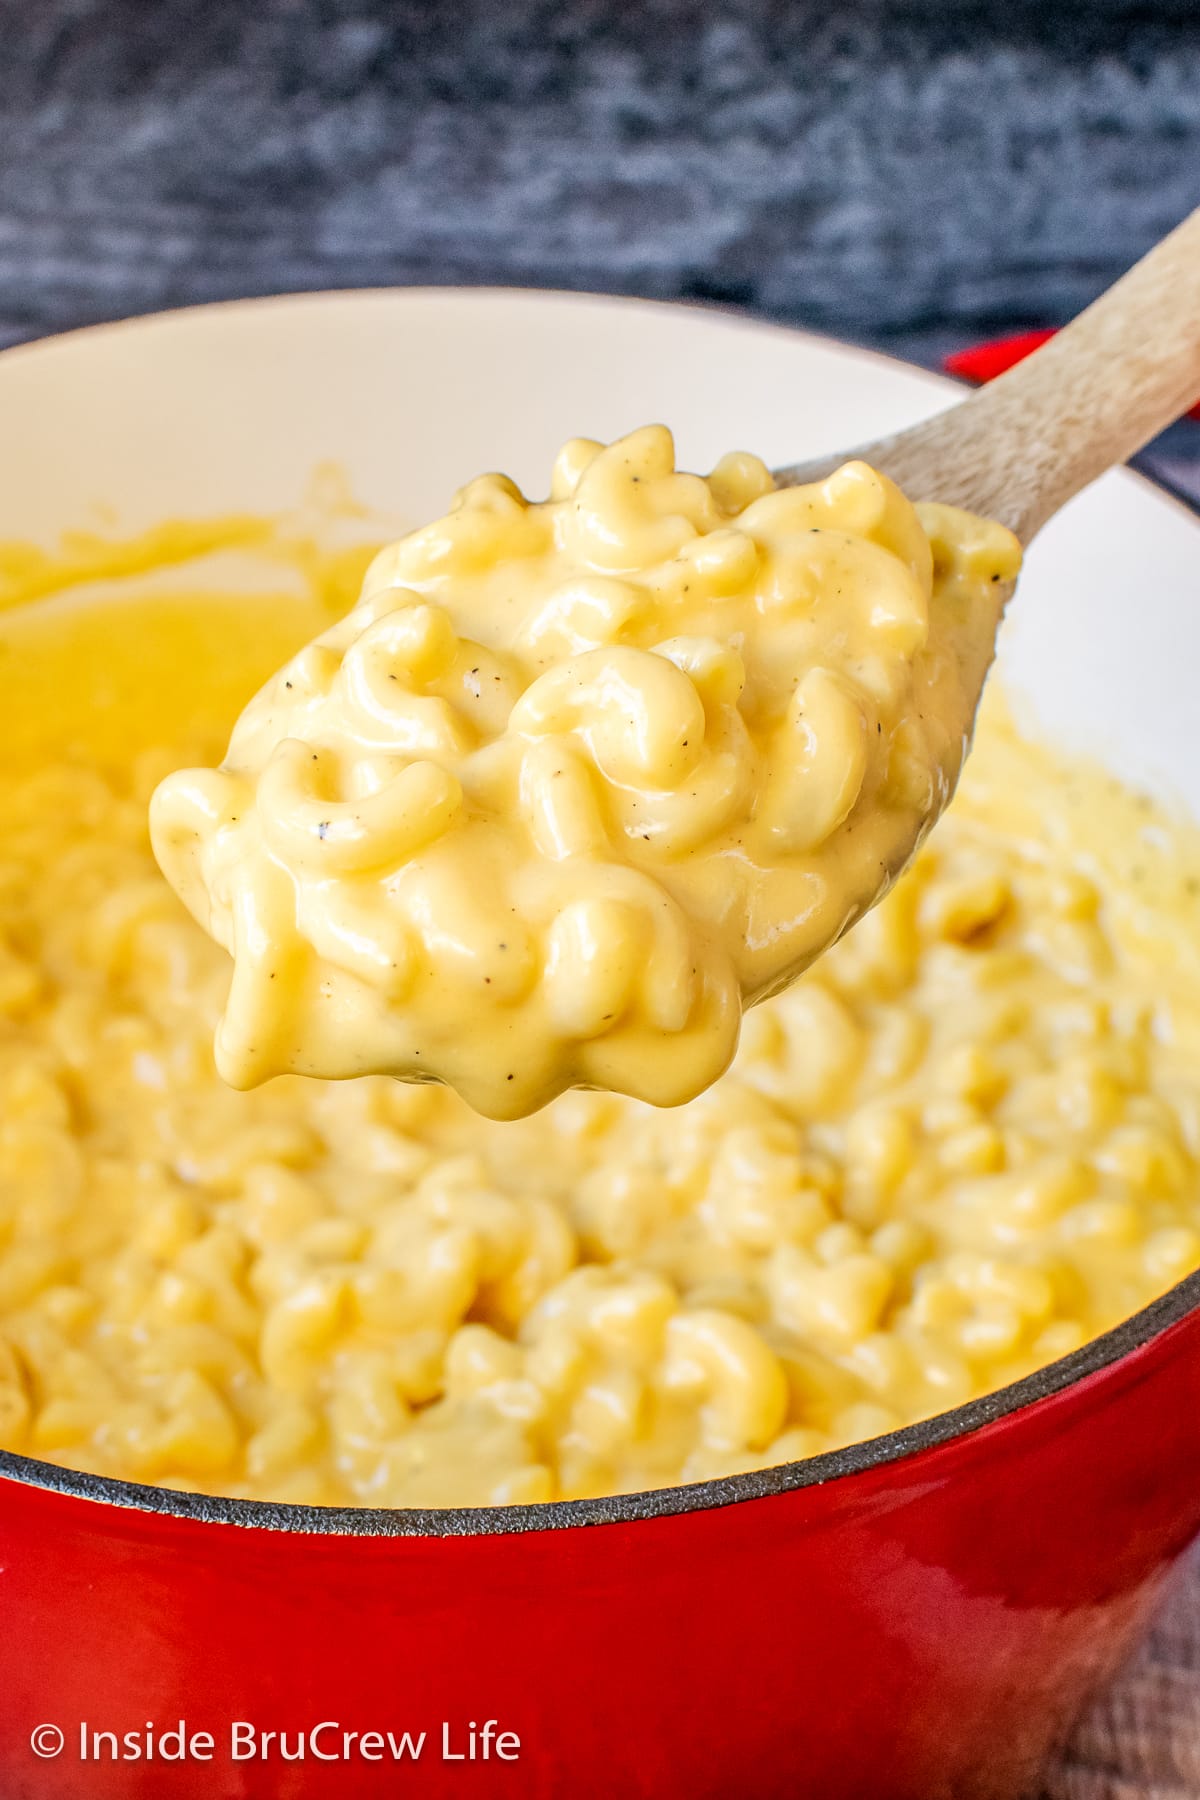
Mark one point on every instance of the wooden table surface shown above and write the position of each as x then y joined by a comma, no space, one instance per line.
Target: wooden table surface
1141,1740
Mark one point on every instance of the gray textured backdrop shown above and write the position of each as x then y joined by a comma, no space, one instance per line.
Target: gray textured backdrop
921,170
908,172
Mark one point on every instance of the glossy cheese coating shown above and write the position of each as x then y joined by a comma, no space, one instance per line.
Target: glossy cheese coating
963,1143
577,780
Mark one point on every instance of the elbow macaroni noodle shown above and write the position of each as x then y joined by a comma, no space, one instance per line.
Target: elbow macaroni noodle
575,778
963,1143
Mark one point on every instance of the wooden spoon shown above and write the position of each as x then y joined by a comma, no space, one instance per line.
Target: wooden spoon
1019,449
1023,446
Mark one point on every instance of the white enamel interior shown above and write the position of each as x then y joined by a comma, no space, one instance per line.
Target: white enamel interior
413,391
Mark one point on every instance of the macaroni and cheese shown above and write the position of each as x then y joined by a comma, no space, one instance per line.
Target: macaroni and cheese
964,1142
575,779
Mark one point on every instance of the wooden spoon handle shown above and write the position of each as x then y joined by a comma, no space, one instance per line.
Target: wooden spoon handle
1097,391
1022,447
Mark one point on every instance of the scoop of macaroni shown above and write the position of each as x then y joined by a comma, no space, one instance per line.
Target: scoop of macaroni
577,779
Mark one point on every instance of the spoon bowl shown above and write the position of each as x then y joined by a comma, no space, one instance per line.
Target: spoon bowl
1018,450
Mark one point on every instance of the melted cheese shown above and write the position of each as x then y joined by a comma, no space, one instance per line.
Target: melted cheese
577,780
966,1141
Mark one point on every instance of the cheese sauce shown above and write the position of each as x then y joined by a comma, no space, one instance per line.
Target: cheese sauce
576,780
962,1144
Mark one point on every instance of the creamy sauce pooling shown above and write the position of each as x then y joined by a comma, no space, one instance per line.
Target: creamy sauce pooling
576,780
963,1143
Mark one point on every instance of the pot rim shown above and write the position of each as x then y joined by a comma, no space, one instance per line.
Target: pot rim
1098,1354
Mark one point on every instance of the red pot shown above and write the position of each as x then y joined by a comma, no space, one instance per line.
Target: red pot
916,1617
